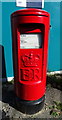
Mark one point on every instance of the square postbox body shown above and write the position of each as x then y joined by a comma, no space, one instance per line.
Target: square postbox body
30,29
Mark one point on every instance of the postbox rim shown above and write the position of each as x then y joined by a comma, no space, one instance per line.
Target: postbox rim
30,11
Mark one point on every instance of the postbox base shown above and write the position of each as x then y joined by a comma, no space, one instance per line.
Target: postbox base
30,107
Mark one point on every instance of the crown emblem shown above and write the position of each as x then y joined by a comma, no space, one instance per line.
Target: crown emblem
30,60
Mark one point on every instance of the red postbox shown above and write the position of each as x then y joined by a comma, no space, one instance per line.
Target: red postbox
30,28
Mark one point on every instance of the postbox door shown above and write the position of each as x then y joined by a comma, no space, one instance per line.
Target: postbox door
31,54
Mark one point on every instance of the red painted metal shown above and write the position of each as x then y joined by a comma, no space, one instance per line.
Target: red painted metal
30,65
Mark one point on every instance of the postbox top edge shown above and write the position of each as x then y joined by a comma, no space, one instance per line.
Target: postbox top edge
30,11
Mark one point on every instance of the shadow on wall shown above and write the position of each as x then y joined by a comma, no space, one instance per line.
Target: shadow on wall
3,76
61,35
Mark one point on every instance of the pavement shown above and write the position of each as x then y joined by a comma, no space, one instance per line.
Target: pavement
50,110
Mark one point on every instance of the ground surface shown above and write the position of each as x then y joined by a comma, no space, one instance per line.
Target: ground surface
52,107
